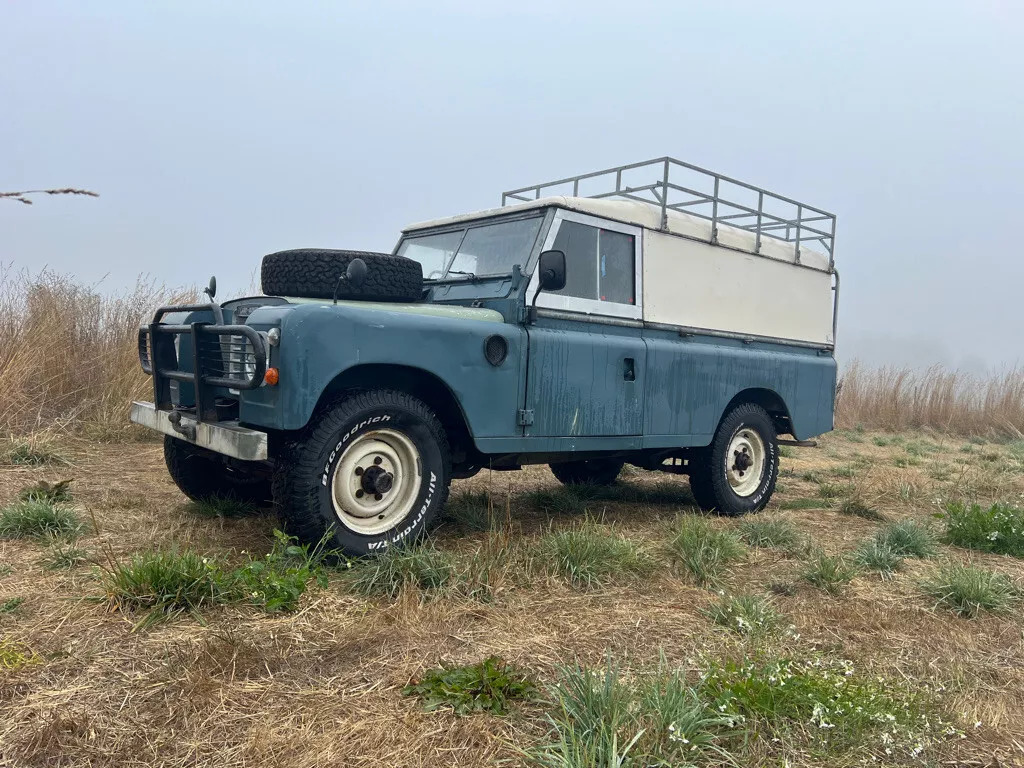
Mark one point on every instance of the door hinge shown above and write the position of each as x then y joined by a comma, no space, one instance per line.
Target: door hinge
525,417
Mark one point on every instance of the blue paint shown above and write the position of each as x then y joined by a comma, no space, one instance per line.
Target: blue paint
590,386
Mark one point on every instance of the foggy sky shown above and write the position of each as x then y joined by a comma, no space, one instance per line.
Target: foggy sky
217,132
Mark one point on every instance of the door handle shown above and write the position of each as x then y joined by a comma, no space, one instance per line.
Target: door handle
629,369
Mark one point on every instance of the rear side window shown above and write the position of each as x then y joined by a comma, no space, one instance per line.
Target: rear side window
600,264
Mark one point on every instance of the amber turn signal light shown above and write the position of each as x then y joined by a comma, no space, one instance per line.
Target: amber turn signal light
271,376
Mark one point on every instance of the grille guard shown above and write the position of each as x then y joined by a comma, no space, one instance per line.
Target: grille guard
231,356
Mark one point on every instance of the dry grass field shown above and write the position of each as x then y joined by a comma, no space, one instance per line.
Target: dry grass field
873,614
595,598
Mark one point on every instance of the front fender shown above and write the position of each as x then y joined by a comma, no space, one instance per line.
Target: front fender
319,342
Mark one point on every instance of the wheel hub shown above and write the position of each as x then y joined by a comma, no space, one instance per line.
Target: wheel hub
745,461
376,481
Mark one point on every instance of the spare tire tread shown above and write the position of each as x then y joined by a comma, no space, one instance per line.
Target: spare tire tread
313,273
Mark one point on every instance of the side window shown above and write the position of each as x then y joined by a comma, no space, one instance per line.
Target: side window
600,264
617,266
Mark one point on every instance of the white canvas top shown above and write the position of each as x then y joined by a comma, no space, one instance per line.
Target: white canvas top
648,215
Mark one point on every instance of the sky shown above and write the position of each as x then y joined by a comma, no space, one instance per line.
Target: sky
218,132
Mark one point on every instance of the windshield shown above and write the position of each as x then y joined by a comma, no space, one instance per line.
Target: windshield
490,249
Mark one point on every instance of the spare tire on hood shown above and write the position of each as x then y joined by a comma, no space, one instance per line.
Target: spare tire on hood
312,273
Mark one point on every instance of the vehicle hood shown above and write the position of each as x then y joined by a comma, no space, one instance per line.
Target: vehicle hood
431,310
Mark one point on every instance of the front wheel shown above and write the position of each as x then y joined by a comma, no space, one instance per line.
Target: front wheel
203,475
373,473
736,474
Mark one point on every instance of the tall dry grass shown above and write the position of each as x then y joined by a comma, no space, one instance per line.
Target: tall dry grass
901,399
68,355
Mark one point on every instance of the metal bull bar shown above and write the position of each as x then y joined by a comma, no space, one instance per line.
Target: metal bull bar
232,356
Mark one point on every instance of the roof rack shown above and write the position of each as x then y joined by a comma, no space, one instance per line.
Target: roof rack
678,186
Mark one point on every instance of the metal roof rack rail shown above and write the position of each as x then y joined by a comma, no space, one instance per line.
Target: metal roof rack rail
696,191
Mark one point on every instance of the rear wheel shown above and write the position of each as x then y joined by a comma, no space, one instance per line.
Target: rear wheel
588,472
736,474
372,473
201,474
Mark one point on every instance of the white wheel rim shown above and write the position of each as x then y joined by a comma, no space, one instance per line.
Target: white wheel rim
745,461
376,481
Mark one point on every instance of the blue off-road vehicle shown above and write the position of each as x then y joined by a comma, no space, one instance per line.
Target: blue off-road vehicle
657,314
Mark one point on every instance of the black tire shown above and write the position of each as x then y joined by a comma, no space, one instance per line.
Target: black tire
588,472
709,478
305,474
201,474
313,273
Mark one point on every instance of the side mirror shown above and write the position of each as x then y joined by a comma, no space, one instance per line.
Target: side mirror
355,275
211,289
551,276
551,270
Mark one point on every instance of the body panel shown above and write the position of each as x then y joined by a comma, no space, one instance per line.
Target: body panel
585,380
691,380
699,285
321,341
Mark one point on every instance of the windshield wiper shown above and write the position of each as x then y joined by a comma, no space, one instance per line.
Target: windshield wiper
472,277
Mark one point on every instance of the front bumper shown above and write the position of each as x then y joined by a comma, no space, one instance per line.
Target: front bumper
225,437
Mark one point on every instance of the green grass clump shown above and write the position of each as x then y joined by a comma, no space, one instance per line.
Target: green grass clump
37,520
163,582
822,701
589,555
169,582
804,504
423,567
11,604
471,511
598,718
857,507
745,614
497,562
63,556
872,555
703,550
968,590
811,477
906,461
908,538
787,452
829,573
489,686
998,528
775,533
30,455
832,491
565,500
51,493
920,447
15,656
880,441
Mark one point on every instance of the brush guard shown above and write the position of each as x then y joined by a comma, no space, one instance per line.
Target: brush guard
223,356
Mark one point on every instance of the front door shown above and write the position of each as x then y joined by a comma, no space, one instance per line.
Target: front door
586,353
